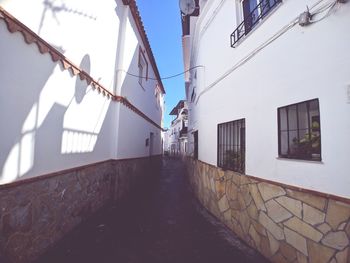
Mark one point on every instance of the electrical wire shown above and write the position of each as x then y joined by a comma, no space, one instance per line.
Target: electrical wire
162,78
330,8
282,31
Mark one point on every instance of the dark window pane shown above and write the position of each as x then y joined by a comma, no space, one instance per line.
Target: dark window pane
292,117
283,118
303,122
284,143
231,145
301,139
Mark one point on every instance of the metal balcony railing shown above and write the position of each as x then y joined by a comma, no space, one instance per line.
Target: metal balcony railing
183,132
252,19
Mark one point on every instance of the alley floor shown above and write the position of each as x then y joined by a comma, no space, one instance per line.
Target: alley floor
167,225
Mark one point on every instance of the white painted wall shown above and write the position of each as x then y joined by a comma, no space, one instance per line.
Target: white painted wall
304,63
51,119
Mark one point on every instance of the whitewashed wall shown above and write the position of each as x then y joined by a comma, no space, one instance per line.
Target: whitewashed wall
304,63
52,120
142,96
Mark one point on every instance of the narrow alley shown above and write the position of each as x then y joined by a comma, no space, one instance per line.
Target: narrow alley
163,223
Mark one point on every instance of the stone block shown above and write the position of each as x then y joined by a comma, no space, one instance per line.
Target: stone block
342,226
269,191
319,253
289,252
244,221
277,212
295,240
301,258
337,213
313,200
265,247
342,256
312,215
324,228
223,204
273,243
236,178
245,180
255,236
20,219
292,205
212,185
241,202
246,194
231,191
228,215
220,188
337,240
259,228
253,211
235,205
18,246
253,188
278,258
271,226
304,229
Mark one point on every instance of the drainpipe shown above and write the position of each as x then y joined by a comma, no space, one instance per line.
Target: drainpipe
122,13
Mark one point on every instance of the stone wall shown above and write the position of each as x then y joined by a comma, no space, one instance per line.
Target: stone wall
283,223
36,213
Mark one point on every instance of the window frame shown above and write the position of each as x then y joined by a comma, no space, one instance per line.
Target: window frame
242,19
236,128
142,66
307,147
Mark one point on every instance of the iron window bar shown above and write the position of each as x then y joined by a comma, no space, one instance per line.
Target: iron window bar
253,18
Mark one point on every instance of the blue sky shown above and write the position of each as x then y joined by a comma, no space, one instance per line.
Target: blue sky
162,22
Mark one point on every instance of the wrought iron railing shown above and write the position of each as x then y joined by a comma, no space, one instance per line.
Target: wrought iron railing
252,19
183,132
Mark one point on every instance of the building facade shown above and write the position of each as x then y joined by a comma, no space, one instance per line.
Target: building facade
177,144
81,106
268,82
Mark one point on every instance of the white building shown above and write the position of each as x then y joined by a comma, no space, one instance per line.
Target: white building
81,108
268,98
177,133
64,84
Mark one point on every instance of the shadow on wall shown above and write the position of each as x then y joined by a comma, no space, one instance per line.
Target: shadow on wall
37,104
50,5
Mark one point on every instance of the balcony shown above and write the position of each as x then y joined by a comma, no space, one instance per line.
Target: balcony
252,18
183,132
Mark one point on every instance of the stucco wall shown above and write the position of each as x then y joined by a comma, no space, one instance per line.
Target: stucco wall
54,120
303,63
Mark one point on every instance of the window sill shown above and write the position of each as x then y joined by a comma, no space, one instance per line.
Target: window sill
299,160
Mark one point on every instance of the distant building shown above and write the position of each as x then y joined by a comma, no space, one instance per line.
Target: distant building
268,93
177,133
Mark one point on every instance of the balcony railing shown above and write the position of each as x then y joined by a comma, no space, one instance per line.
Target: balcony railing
252,19
183,132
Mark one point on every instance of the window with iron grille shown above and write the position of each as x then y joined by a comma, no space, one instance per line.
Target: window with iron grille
253,11
299,133
143,67
231,145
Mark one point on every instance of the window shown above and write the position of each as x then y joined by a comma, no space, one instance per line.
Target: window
231,145
252,12
195,142
299,134
143,67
